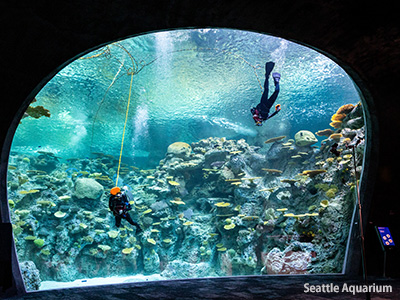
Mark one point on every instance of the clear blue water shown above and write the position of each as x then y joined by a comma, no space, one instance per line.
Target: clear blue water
197,87
192,84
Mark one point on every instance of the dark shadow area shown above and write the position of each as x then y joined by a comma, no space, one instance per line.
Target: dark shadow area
39,38
249,287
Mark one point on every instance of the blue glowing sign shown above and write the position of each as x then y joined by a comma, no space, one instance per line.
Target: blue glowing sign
386,237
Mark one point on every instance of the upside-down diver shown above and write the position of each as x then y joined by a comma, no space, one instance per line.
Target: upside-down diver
261,111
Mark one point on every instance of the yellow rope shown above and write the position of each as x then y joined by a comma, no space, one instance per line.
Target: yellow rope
123,133
136,68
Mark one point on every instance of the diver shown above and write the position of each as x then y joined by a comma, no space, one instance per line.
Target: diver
261,111
119,205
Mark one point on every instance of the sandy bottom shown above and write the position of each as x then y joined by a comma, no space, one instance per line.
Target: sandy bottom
49,285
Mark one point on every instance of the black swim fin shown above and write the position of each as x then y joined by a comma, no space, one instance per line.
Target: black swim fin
269,66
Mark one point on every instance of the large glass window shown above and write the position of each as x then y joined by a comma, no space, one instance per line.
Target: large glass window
171,119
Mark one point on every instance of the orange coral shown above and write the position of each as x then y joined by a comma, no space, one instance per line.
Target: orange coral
338,117
336,124
345,109
325,132
336,136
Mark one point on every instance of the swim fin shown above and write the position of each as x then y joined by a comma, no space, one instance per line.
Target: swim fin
276,77
269,66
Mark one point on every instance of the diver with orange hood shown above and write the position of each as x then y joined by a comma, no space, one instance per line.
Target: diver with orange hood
119,205
261,111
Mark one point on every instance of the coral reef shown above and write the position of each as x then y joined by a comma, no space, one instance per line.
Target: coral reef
31,275
287,262
215,207
305,138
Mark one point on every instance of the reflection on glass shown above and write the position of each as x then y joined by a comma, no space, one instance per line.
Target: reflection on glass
166,116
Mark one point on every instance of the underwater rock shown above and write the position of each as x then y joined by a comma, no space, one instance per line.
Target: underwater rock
348,133
287,262
356,112
159,206
305,138
236,164
182,269
188,213
213,156
256,162
31,275
88,188
278,153
283,195
355,123
179,149
244,238
151,261
147,221
226,263
46,162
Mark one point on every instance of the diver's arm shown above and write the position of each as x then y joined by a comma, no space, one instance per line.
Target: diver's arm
126,201
273,114
277,109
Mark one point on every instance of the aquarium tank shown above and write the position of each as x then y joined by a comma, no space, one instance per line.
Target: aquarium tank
166,117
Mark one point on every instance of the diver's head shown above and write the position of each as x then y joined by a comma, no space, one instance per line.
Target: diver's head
258,123
115,190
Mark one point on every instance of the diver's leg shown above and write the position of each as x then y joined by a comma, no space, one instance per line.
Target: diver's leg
117,221
262,106
273,97
269,66
129,219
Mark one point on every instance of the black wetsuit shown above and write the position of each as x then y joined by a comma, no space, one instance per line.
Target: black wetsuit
119,205
266,103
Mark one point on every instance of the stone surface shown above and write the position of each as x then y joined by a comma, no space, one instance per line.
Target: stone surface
305,138
87,188
31,275
179,149
290,262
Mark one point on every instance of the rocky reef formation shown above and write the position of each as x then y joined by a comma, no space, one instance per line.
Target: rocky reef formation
30,275
213,208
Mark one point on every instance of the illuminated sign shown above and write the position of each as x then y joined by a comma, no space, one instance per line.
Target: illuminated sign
386,237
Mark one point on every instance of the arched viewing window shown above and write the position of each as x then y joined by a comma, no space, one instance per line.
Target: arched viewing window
167,117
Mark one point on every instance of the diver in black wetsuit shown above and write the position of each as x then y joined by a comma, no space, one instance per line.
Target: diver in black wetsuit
119,205
261,111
